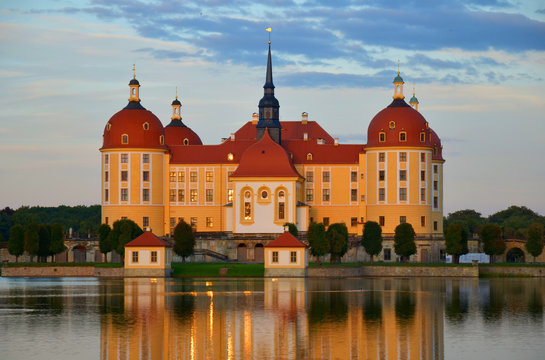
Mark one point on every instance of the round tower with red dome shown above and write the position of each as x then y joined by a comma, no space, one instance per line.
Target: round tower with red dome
133,165
404,169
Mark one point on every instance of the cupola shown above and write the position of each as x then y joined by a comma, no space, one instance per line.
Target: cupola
414,102
134,86
398,87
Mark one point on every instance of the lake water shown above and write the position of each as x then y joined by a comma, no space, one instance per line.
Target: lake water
355,318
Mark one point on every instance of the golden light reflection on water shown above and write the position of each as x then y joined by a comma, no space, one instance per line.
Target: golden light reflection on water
273,319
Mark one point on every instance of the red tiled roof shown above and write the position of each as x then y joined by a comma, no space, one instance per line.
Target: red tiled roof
148,239
265,158
436,142
286,240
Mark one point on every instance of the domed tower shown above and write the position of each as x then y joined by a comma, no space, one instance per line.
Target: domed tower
399,162
437,180
133,162
177,133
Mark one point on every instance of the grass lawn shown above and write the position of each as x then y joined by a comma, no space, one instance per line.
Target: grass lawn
213,269
37,264
313,264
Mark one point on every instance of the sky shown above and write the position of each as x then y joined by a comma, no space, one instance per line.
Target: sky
477,67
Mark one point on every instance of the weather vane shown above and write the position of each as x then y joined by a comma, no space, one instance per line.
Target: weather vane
269,30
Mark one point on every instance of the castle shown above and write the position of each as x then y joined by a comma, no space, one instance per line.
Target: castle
270,172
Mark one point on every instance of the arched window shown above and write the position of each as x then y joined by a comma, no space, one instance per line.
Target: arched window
145,126
402,136
309,156
392,125
382,137
186,141
134,91
108,126
246,205
281,214
422,136
124,139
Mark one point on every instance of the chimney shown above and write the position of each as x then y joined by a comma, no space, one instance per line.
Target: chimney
232,136
336,141
254,118
304,118
305,136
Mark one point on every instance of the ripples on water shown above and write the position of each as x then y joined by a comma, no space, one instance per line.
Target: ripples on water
371,318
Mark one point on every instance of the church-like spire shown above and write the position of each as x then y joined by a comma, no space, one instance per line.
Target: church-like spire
269,106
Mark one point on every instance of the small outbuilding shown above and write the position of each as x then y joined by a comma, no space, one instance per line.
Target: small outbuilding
148,256
286,256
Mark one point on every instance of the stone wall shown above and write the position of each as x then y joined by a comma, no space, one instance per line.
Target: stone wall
394,271
60,271
513,270
148,272
284,272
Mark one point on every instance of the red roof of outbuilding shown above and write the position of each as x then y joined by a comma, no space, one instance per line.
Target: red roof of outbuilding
286,240
148,239
265,158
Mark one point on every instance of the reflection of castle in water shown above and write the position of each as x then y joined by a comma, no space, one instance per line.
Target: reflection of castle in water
273,318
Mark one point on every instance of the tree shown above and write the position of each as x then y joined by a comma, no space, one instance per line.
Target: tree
32,240
44,234
123,231
456,241
292,228
103,243
16,242
492,240
404,244
337,236
534,244
319,245
372,238
471,220
57,239
184,240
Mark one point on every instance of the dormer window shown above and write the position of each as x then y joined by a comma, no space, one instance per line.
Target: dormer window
403,136
382,137
125,139
145,126
422,136
108,126
186,141
309,156
161,140
392,125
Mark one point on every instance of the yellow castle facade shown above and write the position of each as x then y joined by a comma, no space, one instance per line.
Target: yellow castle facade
270,172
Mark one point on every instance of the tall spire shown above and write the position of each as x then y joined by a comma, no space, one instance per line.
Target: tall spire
269,106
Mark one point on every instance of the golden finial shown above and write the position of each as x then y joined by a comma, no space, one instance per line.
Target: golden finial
176,93
398,66
269,30
414,85
133,71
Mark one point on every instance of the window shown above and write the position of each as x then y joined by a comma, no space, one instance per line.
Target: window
153,257
403,194
106,195
193,195
309,194
353,194
422,175
325,194
423,157
325,176
381,220
145,194
435,202
229,195
382,137
442,255
193,222
354,221
145,221
281,211
435,185
402,136
181,195
124,158
209,176
353,176
162,139
209,222
402,156
145,158
123,218
402,219
392,125
381,157
105,176
422,221
247,210
124,175
106,159
181,176
310,176
435,169
145,175
381,175
186,141
435,225
293,256
309,156
193,176
172,176
423,194
264,194
124,139
325,221
145,126
381,194
172,222
422,137
387,254
275,256
172,195
209,195
124,194
106,220
403,175
363,198
135,256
